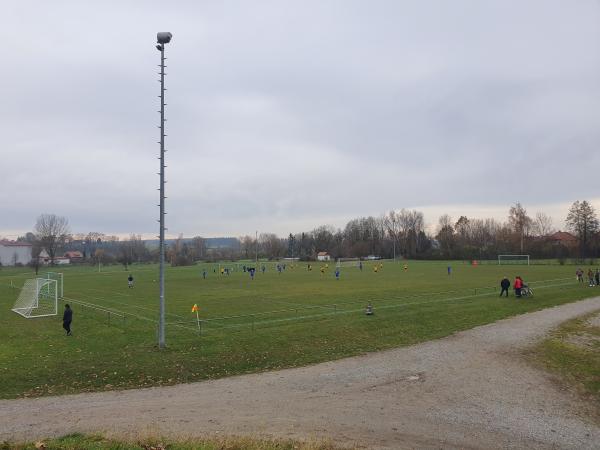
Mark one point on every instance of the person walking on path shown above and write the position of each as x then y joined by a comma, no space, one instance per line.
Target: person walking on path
518,284
504,284
67,319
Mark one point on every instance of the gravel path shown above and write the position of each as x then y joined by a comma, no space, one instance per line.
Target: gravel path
469,390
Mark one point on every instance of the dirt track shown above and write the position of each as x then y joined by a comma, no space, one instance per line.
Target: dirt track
470,390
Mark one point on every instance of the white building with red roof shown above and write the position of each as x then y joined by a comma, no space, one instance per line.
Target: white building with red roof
13,253
323,256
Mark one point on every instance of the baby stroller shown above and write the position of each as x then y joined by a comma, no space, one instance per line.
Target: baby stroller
526,291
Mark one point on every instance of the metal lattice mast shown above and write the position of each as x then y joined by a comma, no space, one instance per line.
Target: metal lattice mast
162,39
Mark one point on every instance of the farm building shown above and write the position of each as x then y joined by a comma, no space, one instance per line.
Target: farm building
12,253
74,256
323,256
563,238
44,259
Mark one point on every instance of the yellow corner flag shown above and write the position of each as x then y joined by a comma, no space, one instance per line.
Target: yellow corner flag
195,308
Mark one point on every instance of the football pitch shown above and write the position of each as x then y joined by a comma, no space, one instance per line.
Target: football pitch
275,320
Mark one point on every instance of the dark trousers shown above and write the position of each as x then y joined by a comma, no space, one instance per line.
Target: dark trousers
518,292
503,291
67,326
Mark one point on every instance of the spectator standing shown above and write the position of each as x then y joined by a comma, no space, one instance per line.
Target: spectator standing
518,284
67,319
504,284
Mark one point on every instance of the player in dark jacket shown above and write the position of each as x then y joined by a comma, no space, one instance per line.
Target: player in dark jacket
67,319
504,284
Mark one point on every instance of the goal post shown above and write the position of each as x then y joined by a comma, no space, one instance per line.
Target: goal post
348,262
38,298
58,276
513,259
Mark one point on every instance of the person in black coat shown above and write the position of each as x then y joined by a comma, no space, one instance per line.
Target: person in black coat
67,319
504,284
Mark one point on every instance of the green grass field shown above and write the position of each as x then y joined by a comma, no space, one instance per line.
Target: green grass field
273,321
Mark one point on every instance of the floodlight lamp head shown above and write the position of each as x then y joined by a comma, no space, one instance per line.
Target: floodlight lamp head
163,37
159,47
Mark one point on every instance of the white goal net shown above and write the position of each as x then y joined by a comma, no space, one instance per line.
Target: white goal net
58,276
38,298
513,259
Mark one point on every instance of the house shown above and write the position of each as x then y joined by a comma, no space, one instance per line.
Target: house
60,260
563,238
44,259
74,256
323,256
13,253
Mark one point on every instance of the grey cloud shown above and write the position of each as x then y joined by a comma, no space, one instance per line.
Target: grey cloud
283,115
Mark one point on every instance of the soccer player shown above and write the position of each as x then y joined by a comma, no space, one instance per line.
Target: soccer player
360,265
405,267
322,270
337,273
130,281
449,270
369,310
204,274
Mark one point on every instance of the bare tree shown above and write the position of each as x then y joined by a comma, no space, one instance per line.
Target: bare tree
51,231
272,246
248,246
199,247
520,222
445,235
391,221
411,224
582,220
542,225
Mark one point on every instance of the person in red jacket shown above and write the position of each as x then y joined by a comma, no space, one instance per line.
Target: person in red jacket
518,284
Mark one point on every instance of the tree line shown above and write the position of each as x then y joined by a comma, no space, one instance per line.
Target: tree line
398,233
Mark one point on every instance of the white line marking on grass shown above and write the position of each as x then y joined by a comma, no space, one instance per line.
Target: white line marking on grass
350,311
108,292
136,307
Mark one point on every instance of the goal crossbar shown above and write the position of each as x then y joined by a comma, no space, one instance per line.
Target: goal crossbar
513,259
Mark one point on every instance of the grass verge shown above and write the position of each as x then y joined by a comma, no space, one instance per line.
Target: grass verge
572,352
97,442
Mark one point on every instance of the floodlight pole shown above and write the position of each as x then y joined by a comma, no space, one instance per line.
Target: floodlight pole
162,39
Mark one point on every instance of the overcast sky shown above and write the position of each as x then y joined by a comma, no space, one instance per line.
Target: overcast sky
286,115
